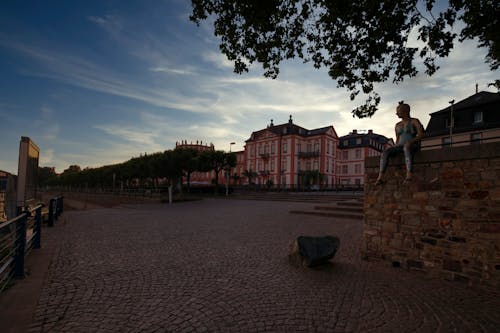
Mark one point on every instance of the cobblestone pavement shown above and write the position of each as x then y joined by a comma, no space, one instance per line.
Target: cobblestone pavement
221,266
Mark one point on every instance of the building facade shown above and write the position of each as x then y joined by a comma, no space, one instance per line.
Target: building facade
473,120
354,148
8,186
290,156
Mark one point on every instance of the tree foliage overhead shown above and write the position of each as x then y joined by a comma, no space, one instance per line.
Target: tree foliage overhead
361,42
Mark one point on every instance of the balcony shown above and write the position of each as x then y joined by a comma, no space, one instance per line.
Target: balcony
264,155
309,154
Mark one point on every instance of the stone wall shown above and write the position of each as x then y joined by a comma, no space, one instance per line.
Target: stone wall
446,222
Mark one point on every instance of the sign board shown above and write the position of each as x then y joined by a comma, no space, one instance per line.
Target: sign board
27,172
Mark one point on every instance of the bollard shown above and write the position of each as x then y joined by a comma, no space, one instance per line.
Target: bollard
56,208
51,213
61,204
20,246
37,240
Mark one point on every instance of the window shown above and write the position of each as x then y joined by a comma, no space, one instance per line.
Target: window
272,148
315,167
478,117
298,148
357,181
316,147
345,155
283,165
357,168
358,141
272,165
346,142
358,154
475,138
284,148
344,169
328,148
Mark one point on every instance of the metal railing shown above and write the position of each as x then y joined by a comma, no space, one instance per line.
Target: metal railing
20,235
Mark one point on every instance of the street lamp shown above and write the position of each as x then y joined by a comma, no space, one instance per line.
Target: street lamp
228,170
451,122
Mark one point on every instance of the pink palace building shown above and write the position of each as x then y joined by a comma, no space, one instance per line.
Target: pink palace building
282,154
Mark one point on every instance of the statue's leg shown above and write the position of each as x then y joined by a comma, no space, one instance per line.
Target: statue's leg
408,151
384,158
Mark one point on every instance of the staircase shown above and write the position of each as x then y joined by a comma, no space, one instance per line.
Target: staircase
317,198
340,209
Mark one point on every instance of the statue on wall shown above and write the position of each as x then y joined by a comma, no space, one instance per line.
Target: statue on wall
409,133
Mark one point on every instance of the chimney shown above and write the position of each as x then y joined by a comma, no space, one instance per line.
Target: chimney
370,131
476,88
354,131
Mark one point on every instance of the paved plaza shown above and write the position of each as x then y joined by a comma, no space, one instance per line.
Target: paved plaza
221,266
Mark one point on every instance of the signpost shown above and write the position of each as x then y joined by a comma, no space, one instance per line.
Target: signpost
27,172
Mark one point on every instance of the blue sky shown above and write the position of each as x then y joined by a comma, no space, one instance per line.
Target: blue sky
97,82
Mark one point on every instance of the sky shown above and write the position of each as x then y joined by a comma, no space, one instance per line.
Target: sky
97,82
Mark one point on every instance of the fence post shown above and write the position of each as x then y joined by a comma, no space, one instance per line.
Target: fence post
61,204
20,246
37,240
51,213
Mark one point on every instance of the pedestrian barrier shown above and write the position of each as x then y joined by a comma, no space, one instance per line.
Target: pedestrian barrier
20,235
56,207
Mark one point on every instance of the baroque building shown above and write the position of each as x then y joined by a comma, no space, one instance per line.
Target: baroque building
290,156
354,148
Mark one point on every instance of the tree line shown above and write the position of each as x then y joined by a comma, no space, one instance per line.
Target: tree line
161,168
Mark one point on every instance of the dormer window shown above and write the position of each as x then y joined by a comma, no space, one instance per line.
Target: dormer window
478,117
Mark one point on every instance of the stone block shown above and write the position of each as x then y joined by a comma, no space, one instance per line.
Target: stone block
371,199
479,195
411,219
421,196
414,264
390,227
489,175
451,174
452,265
490,228
454,194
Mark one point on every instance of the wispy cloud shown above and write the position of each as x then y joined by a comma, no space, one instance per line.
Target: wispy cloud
172,70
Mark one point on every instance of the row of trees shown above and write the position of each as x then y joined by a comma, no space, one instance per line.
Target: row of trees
166,168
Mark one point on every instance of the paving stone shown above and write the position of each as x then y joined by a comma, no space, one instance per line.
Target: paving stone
221,266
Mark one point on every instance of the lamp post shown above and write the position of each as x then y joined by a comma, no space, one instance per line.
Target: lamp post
451,122
228,169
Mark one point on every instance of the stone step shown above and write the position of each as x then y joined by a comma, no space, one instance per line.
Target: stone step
340,209
315,198
351,203
328,214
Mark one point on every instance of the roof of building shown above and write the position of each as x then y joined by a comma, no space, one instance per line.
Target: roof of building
368,139
290,128
463,115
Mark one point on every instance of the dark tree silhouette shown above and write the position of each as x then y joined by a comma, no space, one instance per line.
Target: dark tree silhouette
360,42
